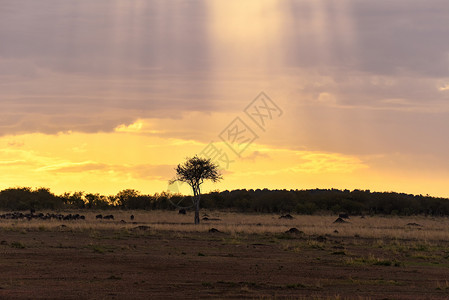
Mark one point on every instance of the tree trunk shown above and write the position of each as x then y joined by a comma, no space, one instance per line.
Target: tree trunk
197,207
197,196
197,211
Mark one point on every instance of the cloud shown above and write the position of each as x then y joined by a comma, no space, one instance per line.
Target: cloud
327,99
74,167
134,127
62,102
14,143
16,162
150,172
255,155
89,68
289,161
445,87
321,163
379,37
143,171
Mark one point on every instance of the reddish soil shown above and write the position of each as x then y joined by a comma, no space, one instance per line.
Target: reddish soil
143,264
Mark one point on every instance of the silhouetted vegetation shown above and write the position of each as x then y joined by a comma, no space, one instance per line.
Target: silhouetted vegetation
354,202
25,198
194,171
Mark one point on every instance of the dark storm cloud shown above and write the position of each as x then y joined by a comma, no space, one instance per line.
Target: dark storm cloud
93,65
105,36
385,66
403,36
379,37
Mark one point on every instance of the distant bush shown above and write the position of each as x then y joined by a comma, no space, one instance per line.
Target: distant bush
326,200
25,198
261,201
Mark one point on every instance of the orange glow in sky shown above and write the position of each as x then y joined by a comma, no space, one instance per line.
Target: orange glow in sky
102,96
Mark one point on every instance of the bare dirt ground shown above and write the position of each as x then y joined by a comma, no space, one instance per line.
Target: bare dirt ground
67,262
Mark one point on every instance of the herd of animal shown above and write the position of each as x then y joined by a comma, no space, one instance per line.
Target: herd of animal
106,217
41,216
52,216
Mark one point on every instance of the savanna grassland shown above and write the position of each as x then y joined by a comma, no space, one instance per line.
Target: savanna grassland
162,255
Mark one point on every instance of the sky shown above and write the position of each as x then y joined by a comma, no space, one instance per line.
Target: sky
105,95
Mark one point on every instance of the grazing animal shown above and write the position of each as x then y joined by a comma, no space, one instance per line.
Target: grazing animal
99,217
132,217
109,217
294,230
41,216
182,211
287,216
343,216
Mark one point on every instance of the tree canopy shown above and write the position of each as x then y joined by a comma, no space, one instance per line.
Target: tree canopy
193,172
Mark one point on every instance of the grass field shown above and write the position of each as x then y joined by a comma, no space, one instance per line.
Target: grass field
162,255
420,228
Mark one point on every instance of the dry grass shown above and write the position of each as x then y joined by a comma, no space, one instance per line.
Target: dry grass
253,258
432,229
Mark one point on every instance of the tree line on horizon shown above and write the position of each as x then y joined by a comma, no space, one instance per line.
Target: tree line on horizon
312,201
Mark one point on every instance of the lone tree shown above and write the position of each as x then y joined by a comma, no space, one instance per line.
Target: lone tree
194,171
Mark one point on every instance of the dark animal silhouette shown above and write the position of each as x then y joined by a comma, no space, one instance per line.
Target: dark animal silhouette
343,216
41,216
287,216
294,230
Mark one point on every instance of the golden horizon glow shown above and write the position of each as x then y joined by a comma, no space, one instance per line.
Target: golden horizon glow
107,163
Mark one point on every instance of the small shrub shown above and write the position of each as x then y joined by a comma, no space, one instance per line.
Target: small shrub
374,261
206,284
316,245
100,249
338,253
295,286
17,245
380,262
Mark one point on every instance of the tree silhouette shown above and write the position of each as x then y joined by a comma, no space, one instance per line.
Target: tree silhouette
194,171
